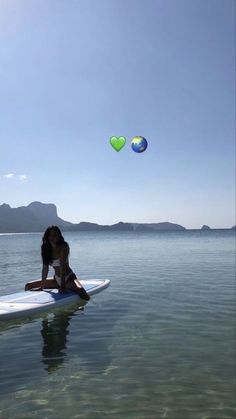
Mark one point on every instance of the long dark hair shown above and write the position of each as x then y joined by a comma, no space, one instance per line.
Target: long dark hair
46,248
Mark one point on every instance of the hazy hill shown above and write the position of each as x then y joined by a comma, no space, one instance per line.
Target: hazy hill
158,226
37,216
84,226
34,217
47,214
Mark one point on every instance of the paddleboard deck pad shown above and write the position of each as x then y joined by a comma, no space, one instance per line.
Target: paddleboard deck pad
28,303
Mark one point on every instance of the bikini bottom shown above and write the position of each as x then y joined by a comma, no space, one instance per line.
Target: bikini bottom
70,275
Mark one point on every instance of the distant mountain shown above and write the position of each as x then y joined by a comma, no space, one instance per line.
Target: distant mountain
38,216
205,227
35,217
47,214
158,226
84,226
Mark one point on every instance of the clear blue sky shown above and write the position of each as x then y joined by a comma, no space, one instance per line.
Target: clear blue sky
73,73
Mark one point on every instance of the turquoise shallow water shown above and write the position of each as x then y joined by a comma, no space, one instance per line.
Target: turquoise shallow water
158,343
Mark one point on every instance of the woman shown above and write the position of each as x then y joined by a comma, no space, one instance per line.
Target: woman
55,252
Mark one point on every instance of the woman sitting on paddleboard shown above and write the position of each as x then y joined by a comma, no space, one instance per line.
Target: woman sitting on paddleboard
55,252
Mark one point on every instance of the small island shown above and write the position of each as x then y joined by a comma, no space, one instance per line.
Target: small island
205,227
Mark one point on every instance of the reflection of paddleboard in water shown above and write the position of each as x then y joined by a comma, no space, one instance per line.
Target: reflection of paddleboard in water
29,302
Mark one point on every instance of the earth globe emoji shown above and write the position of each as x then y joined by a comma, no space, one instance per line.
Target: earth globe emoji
139,144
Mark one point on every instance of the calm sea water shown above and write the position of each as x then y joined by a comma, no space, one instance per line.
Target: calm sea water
158,343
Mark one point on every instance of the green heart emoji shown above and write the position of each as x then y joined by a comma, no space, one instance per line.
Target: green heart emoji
117,142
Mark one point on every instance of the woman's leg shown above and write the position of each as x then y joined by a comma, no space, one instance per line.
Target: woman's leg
51,283
73,284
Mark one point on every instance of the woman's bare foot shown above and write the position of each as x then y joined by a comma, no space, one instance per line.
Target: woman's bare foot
83,294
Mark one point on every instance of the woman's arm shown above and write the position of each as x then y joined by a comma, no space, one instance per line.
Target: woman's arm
45,270
63,261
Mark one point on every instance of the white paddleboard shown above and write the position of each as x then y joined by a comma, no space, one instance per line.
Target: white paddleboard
30,302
